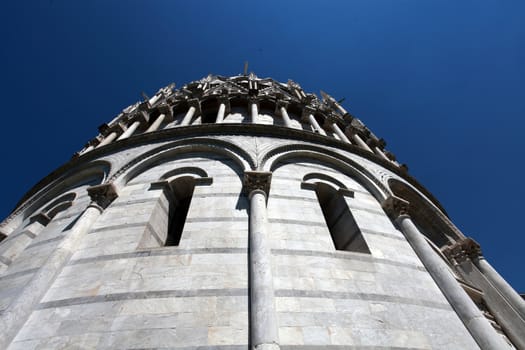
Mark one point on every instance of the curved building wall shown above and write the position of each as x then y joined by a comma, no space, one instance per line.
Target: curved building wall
122,289
288,241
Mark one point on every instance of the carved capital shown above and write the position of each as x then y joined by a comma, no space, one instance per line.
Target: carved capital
257,180
102,195
254,99
390,155
282,103
395,207
307,110
462,250
373,141
166,110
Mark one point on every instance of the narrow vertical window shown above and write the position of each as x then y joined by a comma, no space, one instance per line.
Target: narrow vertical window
345,233
182,191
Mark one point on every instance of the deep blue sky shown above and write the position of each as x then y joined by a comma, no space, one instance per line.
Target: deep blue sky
442,81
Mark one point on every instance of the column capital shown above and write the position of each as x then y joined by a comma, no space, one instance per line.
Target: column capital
307,110
395,207
224,98
254,99
102,195
375,142
166,110
282,103
462,250
353,130
257,180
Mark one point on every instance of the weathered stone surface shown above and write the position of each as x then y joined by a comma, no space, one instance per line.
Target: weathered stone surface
256,265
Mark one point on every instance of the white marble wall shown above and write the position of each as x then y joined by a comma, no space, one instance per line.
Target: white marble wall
122,289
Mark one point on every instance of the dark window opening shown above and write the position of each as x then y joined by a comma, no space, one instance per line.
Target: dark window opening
209,109
182,190
345,233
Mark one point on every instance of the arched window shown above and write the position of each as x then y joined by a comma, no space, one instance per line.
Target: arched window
181,192
345,233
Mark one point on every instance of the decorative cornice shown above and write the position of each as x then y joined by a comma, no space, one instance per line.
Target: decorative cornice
257,180
395,207
102,195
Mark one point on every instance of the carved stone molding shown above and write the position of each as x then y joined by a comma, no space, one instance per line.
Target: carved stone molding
257,180
462,250
395,207
102,195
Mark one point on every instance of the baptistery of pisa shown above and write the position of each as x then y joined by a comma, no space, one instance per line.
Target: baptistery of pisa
243,213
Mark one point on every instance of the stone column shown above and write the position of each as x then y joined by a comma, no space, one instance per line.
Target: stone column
361,143
284,113
17,313
187,118
501,285
194,104
108,139
156,123
130,130
263,318
89,147
286,117
380,153
254,111
316,125
353,133
154,99
13,246
339,133
478,326
220,113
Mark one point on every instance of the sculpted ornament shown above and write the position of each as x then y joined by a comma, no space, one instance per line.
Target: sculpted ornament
257,180
102,195
395,207
463,250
